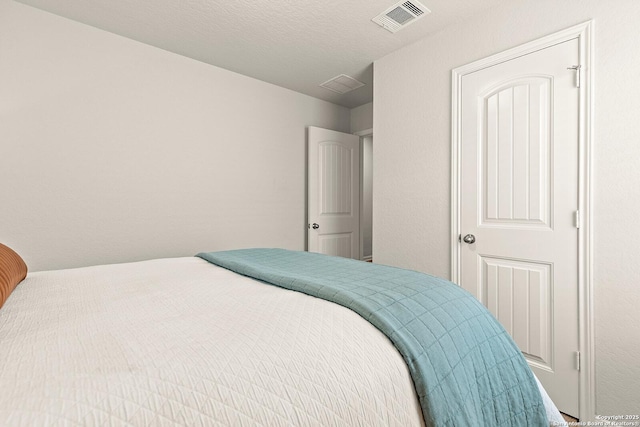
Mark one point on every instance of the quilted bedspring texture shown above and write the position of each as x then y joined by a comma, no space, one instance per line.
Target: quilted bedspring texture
466,368
181,342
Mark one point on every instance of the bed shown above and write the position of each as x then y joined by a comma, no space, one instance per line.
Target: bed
186,342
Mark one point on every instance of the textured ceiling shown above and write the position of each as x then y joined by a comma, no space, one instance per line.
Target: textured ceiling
296,44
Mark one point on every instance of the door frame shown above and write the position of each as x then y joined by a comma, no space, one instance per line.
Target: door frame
586,324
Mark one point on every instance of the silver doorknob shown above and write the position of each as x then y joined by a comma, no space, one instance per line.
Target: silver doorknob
469,238
315,226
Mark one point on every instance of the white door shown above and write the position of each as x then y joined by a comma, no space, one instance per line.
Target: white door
519,197
333,193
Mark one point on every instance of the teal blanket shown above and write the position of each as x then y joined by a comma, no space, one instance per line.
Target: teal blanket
466,369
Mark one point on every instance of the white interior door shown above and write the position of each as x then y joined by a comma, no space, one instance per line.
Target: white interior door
333,193
519,198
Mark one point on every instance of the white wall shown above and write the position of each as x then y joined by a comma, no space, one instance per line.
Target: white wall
112,151
362,118
412,162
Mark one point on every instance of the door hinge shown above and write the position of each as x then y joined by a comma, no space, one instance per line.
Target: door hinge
577,360
578,70
576,218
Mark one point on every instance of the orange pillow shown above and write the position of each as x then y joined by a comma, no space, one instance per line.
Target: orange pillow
13,270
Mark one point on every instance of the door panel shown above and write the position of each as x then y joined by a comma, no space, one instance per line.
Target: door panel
334,193
335,179
519,193
514,123
338,244
518,293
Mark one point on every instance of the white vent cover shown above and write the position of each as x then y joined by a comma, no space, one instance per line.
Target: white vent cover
400,15
342,84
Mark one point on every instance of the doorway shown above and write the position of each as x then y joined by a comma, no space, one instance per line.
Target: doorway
333,193
366,194
340,193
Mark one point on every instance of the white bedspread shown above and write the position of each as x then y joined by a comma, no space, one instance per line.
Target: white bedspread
182,342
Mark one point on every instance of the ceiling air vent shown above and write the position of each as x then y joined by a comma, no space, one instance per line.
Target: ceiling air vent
342,84
400,15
